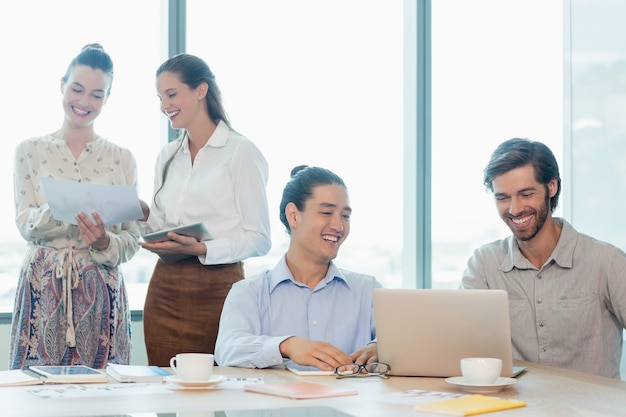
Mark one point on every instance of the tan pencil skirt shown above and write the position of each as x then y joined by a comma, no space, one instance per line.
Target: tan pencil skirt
183,307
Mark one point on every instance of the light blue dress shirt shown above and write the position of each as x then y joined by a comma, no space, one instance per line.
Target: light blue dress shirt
262,311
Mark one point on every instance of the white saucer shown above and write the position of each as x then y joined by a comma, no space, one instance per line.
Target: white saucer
499,385
214,380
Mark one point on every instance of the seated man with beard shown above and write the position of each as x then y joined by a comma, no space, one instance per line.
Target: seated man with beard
567,291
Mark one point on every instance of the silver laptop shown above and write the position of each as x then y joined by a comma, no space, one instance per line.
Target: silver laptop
424,332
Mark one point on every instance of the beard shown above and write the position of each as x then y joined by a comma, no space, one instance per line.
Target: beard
540,219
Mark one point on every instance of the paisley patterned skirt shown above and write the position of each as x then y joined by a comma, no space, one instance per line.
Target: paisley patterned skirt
98,305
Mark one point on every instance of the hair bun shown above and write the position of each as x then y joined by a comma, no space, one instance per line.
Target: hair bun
92,46
297,169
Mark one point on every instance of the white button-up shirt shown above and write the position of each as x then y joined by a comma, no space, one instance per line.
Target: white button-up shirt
225,188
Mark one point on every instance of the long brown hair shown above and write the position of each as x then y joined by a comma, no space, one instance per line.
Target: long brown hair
193,71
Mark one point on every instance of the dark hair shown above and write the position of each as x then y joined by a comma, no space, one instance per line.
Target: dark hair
193,71
517,152
300,187
92,55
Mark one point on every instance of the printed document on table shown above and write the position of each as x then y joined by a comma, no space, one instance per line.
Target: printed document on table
114,203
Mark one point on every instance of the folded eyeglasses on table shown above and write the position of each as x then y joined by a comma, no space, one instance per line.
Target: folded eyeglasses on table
352,370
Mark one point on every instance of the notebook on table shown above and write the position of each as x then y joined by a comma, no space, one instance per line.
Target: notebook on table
300,390
426,332
469,405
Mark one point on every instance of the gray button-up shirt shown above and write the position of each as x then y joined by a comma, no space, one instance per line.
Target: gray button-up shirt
571,312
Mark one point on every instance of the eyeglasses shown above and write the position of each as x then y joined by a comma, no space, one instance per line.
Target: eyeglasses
370,369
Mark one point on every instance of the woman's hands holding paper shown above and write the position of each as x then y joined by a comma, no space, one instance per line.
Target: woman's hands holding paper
95,234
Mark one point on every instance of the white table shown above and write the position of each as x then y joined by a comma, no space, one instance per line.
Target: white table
548,392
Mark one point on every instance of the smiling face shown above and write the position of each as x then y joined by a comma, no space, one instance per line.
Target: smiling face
523,203
179,103
84,95
323,225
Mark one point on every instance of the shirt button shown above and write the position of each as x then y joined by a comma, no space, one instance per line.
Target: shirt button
539,301
540,324
314,322
539,277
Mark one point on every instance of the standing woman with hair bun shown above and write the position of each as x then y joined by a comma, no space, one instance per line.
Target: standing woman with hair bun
210,174
71,306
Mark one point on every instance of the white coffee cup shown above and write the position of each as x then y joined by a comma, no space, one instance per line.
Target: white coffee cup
192,366
484,371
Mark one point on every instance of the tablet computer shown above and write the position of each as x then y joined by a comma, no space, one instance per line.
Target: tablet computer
69,374
195,230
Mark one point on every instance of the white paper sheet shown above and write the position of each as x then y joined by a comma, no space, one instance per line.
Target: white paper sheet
114,203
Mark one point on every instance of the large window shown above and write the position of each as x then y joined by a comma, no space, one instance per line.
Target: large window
311,82
317,83
597,57
321,83
598,99
39,39
497,73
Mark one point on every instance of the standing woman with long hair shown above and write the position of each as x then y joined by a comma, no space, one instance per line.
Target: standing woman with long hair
71,306
210,174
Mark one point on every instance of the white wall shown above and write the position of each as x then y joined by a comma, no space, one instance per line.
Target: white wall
139,356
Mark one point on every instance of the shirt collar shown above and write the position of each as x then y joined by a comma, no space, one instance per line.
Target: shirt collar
218,139
282,274
562,254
